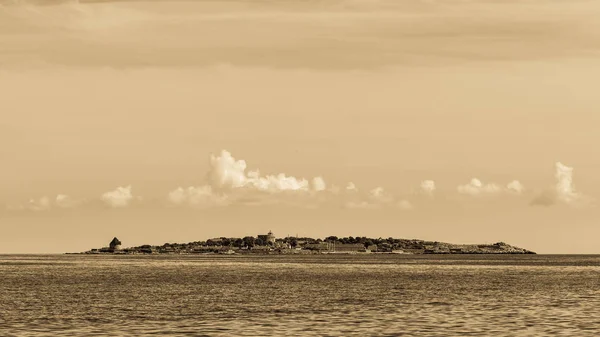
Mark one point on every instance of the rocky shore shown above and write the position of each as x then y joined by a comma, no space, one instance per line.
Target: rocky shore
496,248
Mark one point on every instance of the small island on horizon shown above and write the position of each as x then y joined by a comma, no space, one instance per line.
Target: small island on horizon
269,244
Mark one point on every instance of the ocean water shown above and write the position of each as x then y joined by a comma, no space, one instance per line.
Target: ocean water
361,295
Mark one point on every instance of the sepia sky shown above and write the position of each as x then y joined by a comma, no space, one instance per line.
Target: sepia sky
176,121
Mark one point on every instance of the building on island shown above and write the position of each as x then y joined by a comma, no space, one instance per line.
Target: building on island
268,238
115,244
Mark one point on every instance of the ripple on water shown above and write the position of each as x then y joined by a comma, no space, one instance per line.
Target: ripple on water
290,296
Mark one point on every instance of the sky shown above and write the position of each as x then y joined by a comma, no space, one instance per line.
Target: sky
177,121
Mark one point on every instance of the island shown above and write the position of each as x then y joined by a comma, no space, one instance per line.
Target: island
269,244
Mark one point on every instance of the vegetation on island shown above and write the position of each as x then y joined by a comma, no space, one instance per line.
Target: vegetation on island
268,244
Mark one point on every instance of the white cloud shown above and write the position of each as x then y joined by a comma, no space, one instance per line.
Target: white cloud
378,194
475,187
515,186
428,187
318,184
65,201
120,197
278,183
351,187
61,199
563,191
226,173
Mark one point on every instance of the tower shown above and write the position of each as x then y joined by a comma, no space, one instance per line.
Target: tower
271,237
115,244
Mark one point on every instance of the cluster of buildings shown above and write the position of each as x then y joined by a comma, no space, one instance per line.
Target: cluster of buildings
262,243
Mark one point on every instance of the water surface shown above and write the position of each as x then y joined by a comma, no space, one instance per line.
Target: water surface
368,295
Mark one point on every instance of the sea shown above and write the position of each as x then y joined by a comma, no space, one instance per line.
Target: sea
300,295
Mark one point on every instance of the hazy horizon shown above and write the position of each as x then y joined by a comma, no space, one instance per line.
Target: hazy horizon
161,121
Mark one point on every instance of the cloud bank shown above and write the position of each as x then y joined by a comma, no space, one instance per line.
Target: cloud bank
229,181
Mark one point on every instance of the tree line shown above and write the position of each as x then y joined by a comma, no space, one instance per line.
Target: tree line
250,242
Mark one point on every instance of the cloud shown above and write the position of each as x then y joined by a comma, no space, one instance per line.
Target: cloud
226,174
428,187
196,196
379,195
46,203
318,184
563,190
229,181
515,186
351,187
477,188
376,198
120,197
65,201
191,194
277,183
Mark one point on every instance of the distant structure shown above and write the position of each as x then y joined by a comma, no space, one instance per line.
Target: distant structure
115,244
268,238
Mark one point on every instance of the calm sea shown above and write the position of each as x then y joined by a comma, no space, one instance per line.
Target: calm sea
368,295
